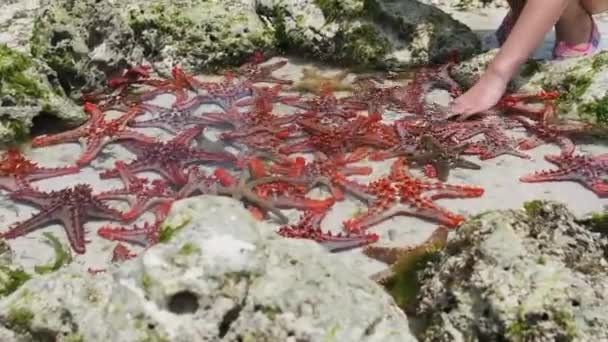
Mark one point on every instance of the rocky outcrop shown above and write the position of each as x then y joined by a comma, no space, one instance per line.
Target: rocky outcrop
581,82
519,275
26,91
218,275
85,41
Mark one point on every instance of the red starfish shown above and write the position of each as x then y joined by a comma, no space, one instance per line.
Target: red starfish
97,132
401,194
179,86
346,136
141,193
17,172
370,97
71,206
170,158
255,72
309,227
144,236
590,171
268,94
121,253
325,104
121,87
224,94
324,170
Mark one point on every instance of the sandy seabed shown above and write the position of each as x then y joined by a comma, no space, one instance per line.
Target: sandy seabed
499,178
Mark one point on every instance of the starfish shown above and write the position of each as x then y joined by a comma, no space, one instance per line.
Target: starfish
120,94
591,171
171,157
543,134
144,236
255,72
324,170
224,184
440,157
400,193
268,94
370,96
71,206
139,192
224,94
496,143
121,253
324,104
172,120
17,172
96,133
179,86
313,81
309,227
348,135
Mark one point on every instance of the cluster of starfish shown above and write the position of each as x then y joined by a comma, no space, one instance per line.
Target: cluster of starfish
269,173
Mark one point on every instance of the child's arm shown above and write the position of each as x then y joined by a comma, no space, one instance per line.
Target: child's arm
536,19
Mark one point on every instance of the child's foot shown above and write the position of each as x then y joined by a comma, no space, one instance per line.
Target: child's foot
482,96
564,50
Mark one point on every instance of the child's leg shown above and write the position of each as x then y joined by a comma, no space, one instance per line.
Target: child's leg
575,24
595,6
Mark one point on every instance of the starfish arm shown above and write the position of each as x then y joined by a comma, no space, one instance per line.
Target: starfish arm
141,204
117,194
33,223
356,170
187,136
10,183
598,186
297,147
92,148
217,157
263,204
44,173
134,166
155,123
68,136
301,203
31,195
133,135
73,220
140,236
550,176
173,174
101,211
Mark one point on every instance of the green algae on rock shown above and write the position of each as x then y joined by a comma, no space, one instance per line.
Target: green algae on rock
518,275
222,277
62,256
11,276
581,82
87,41
25,92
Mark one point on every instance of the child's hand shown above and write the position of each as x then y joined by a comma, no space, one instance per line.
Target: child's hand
483,95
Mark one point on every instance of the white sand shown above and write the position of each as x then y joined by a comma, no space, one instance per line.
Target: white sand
498,176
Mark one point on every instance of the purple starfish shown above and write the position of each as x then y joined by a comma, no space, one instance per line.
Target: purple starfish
139,192
171,120
71,206
170,158
591,171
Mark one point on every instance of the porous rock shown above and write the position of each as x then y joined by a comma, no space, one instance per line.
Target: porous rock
519,275
26,91
582,84
220,276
